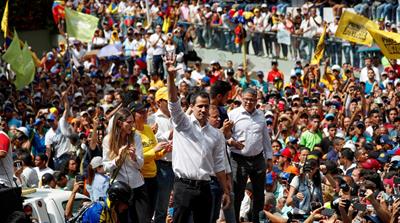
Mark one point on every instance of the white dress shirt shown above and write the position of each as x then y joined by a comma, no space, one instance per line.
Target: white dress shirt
197,151
251,130
130,170
164,124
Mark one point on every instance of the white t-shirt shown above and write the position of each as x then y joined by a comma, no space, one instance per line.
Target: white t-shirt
159,47
41,172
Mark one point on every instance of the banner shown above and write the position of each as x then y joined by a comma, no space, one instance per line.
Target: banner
283,37
13,55
353,28
389,42
4,21
319,50
80,25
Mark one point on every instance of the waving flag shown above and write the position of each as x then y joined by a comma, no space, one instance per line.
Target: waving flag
58,11
4,21
80,25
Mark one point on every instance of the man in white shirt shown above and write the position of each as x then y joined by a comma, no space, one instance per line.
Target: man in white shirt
364,71
197,74
157,42
197,153
129,46
251,151
41,168
308,28
165,174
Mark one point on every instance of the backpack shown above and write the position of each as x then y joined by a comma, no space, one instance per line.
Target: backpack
89,213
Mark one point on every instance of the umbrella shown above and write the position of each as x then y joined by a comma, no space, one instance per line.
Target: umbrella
110,50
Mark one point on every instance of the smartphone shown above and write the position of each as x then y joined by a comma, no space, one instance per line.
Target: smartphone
328,212
18,164
79,178
360,207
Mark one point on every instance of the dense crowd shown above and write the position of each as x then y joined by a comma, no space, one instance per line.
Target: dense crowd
160,136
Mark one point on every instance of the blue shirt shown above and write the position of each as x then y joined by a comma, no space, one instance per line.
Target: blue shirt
99,187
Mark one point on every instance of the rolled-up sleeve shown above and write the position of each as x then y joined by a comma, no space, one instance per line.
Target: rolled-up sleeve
179,118
219,154
267,144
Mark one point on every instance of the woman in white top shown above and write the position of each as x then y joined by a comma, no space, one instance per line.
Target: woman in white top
170,46
123,158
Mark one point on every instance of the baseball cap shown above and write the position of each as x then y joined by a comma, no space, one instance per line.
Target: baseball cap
336,67
360,124
96,162
329,116
38,121
286,153
268,113
162,93
260,73
371,164
24,130
383,157
51,117
270,178
135,107
77,94
350,145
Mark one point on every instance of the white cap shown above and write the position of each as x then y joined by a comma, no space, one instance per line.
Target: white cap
336,67
139,24
340,135
264,5
395,158
77,94
207,6
350,145
96,162
84,113
219,9
296,96
23,130
268,113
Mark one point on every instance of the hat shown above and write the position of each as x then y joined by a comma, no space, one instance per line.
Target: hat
383,157
330,116
360,124
135,107
264,5
84,113
47,178
336,67
139,24
286,153
206,79
51,117
240,68
24,130
384,139
207,6
370,164
213,62
260,73
270,178
77,94
395,159
350,145
188,69
162,93
219,9
292,139
37,122
96,162
295,97
268,113
284,116
153,88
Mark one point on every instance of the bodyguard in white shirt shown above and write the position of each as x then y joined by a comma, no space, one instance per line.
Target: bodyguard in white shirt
251,151
197,153
165,174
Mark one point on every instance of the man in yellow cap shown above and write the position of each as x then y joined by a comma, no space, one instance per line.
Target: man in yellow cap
165,174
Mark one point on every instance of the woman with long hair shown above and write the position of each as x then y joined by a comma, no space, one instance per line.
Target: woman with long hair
123,158
97,182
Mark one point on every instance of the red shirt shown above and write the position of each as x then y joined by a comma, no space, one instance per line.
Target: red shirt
273,74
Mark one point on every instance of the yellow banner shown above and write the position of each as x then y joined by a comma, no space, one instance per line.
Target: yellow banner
319,50
389,42
353,28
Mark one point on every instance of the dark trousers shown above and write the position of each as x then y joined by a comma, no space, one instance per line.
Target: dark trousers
243,168
216,195
165,178
192,200
151,190
138,205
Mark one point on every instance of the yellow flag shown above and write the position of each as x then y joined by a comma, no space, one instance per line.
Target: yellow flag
389,42
319,50
353,28
4,21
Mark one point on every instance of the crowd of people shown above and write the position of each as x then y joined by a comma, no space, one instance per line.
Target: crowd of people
155,135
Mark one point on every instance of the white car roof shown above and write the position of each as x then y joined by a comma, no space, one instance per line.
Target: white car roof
55,194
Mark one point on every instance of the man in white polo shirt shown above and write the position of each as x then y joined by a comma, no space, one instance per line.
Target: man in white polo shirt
198,152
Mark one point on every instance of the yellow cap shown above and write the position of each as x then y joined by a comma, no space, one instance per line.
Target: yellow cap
162,93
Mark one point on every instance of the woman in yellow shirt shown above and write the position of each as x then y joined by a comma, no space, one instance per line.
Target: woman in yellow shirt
151,152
